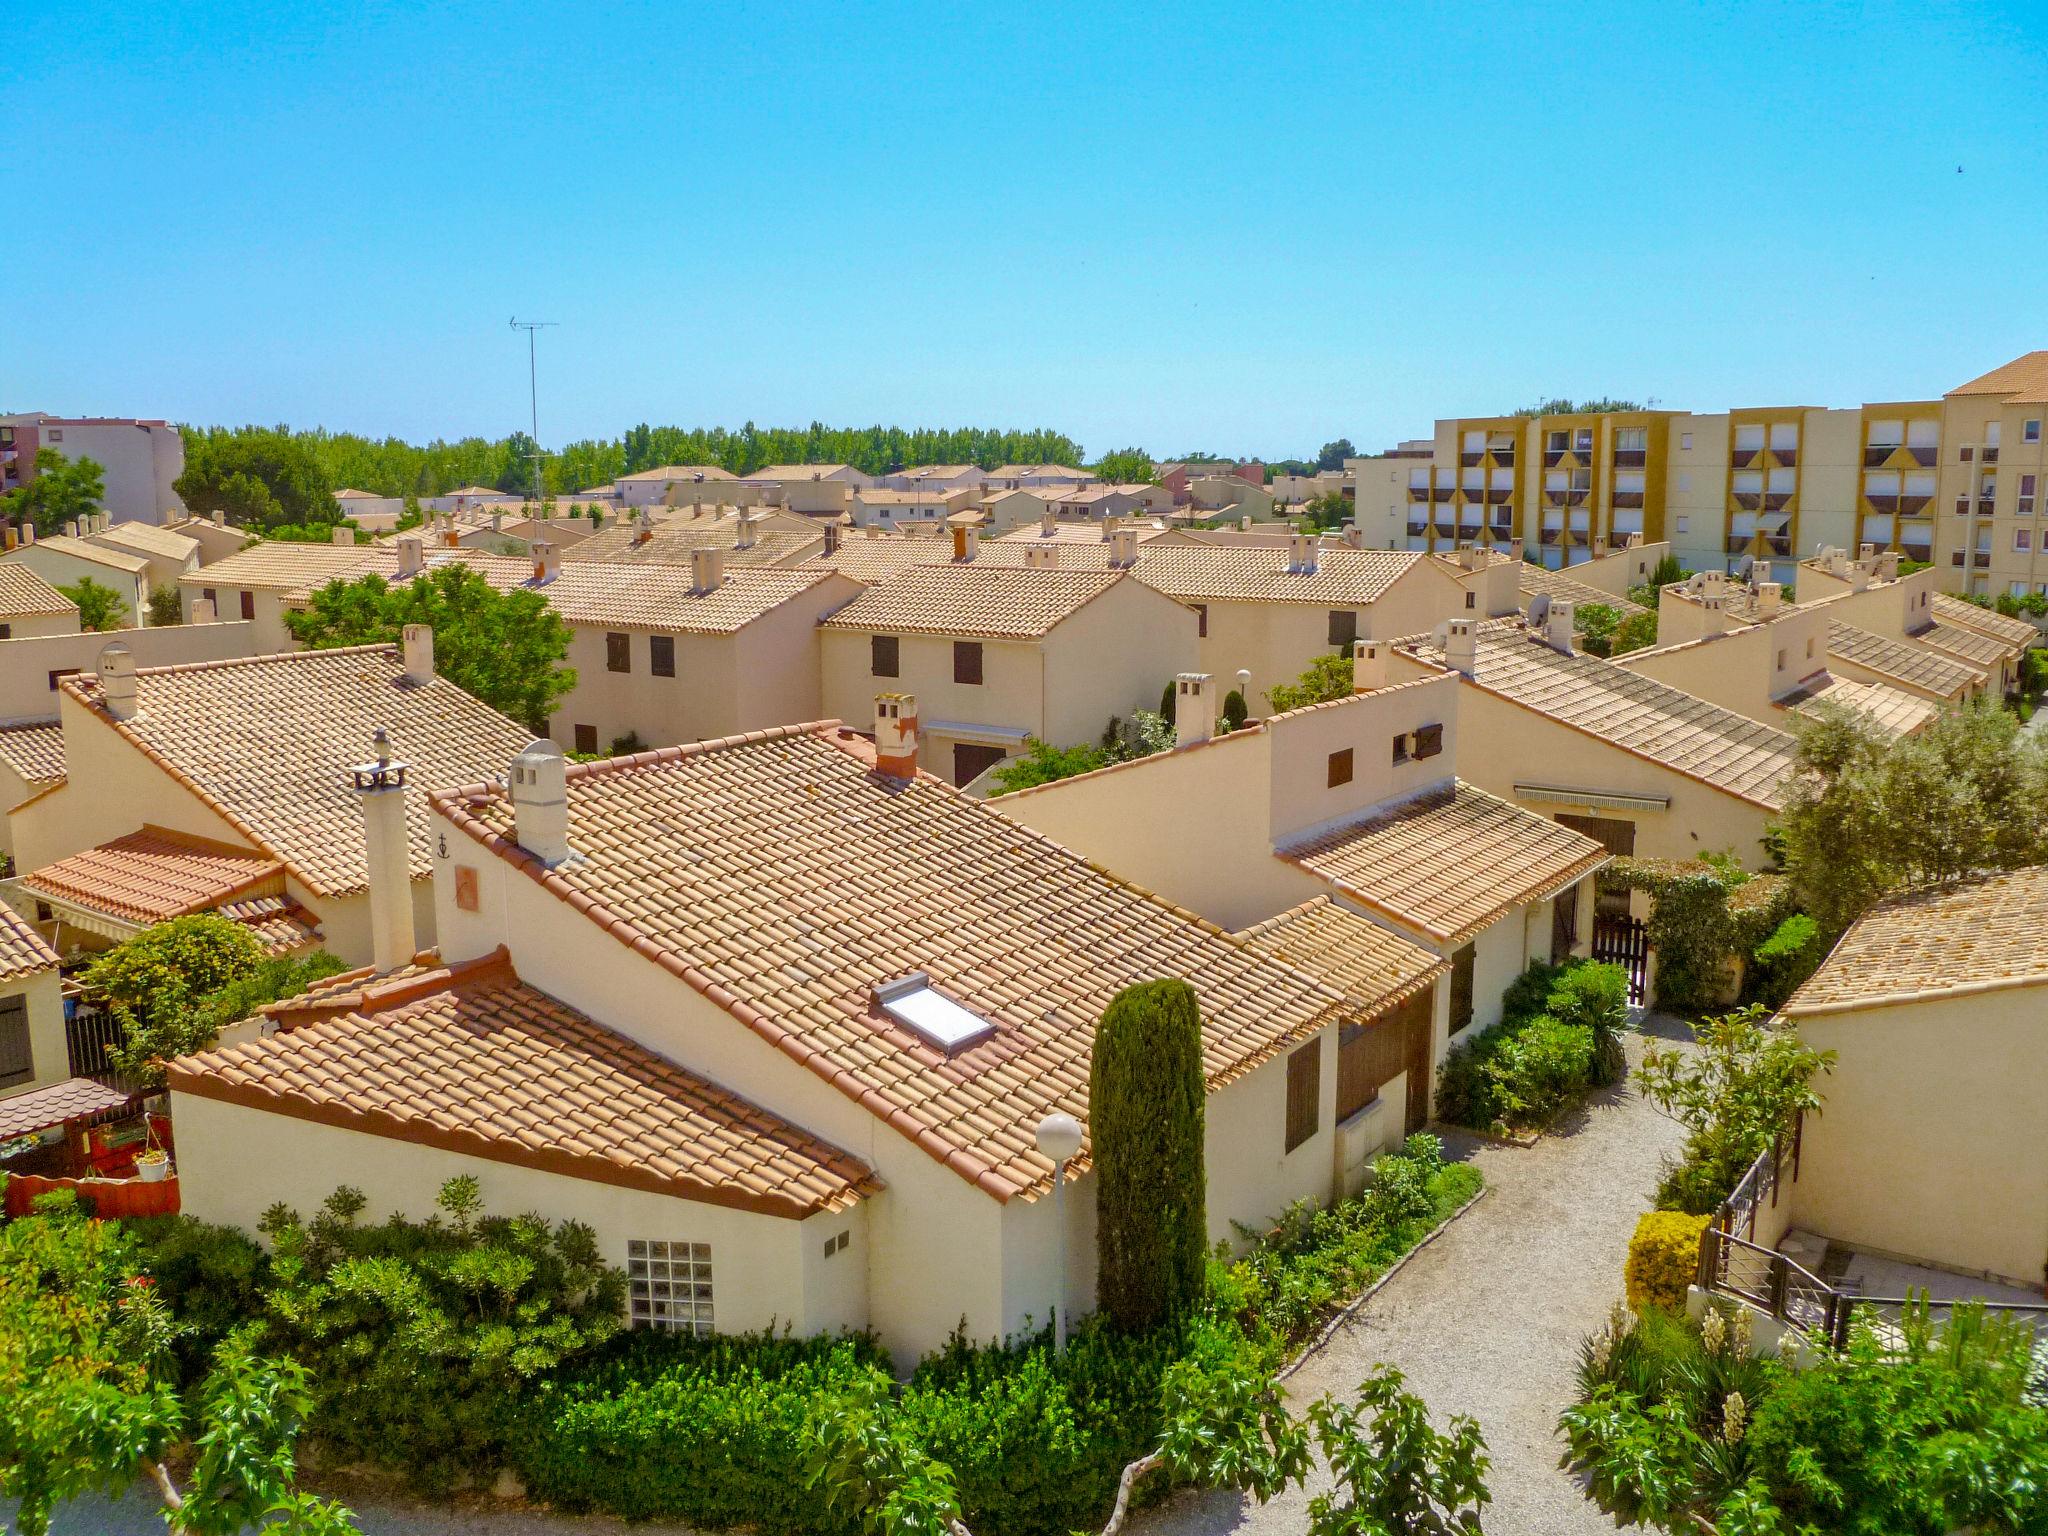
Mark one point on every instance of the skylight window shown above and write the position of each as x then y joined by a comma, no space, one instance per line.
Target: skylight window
912,1001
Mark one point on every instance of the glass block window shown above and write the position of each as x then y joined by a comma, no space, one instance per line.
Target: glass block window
668,1285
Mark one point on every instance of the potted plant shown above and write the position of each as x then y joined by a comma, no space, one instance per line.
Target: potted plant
152,1163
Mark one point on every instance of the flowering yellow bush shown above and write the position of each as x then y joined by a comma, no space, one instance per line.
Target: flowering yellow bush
1663,1257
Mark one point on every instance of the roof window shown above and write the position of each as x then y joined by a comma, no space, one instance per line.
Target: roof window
913,1001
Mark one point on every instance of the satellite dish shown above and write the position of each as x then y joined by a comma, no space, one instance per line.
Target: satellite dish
1539,610
1744,566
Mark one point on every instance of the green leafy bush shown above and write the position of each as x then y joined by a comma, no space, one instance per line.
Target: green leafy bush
1783,961
1594,997
1529,1066
211,1277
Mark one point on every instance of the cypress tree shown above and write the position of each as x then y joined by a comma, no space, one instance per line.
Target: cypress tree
1146,1100
1234,710
1166,702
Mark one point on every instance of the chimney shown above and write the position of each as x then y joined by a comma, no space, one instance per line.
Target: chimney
1244,523
1633,541
1368,666
1768,596
966,543
71,528
707,568
203,610
220,519
387,855
1123,548
1471,557
1859,575
419,654
743,538
1461,646
1301,554
1599,546
411,555
1888,565
1558,628
1354,536
28,533
497,520
540,802
896,735
1048,525
117,680
1516,547
832,537
547,560
344,534
1194,708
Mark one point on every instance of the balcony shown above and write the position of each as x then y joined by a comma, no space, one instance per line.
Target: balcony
1417,530
1984,505
1743,458
1418,493
1503,457
1777,501
1914,506
1503,520
1980,558
1552,457
1752,501
1470,459
1631,458
1989,456
1785,458
1877,455
1440,493
1925,457
1468,531
1737,544
1881,503
1628,498
1500,495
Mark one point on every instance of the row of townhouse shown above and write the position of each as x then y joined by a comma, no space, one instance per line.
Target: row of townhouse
1958,481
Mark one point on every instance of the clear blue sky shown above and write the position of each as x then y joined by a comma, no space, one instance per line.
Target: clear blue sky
1245,228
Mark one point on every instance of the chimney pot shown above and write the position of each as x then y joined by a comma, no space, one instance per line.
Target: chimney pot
1599,546
1123,548
1769,594
343,534
220,519
832,536
71,527
117,680
540,802
387,855
1516,547
28,533
743,538
896,734
1194,708
1866,552
1041,557
411,555
1354,536
964,544
1301,554
1471,557
1558,629
1368,666
1461,646
707,568
203,610
1888,565
1634,541
1049,523
1244,523
419,654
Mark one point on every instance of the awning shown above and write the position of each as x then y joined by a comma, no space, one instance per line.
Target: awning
1611,800
75,1098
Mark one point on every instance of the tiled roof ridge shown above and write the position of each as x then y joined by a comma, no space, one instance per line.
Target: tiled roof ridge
1279,919
1249,728
455,805
1276,926
78,682
1349,698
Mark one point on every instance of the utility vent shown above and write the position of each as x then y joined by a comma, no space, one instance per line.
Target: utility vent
912,1001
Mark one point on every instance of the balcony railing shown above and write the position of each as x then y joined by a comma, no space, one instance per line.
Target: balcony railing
1912,506
1469,459
1440,493
1631,458
1777,501
1628,498
1468,530
1502,456
1552,457
1779,544
1417,530
1785,458
1985,505
1418,493
1738,544
1877,455
1550,536
1980,558
1925,457
1499,494
1742,458
1989,456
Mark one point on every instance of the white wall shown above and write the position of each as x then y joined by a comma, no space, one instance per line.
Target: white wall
27,662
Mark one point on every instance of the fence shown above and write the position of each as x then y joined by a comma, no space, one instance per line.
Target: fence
89,1034
1619,939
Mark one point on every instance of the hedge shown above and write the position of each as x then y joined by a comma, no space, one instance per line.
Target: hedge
1663,1257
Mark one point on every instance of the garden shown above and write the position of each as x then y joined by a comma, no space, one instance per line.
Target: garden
1560,1036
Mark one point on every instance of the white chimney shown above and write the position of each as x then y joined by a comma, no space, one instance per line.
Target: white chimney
1194,708
343,534
1558,628
1048,526
1599,546
707,568
117,680
1768,596
1244,523
1301,554
220,519
497,520
1471,557
832,537
1633,541
896,734
1516,547
1859,575
412,556
540,802
547,560
419,654
71,528
744,537
643,527
1888,565
28,533
1461,646
1123,548
1368,666
1866,553
387,855
1041,557
1354,536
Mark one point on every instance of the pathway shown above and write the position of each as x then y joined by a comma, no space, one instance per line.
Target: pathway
1487,1320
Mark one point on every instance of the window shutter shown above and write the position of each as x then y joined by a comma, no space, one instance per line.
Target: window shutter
1304,1091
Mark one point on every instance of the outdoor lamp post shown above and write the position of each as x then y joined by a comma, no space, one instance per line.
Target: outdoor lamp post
1059,1138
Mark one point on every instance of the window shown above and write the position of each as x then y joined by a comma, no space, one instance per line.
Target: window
2023,539
6,631
1682,523
212,597
971,761
1429,741
17,1062
618,652
586,738
1558,442
1368,1058
1401,747
1618,837
60,672
668,1285
1471,599
1461,987
1304,1092
1684,480
1343,626
248,605
1685,442
1582,440
661,655
56,434
967,662
1631,439
2030,432
1809,647
1783,657
1201,620
882,656
1340,767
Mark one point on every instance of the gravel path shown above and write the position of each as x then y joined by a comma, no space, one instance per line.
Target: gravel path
1487,1319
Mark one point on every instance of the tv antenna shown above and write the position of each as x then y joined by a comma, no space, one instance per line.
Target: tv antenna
533,389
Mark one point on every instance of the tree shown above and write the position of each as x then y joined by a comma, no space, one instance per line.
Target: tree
258,476
84,1346
60,491
1329,510
1126,466
1333,455
1607,633
1867,815
1146,1110
99,607
506,648
1043,763
166,606
1327,678
1395,1474
1235,711
155,982
1563,405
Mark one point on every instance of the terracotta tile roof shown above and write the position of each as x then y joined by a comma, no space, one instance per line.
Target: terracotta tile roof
1901,661
890,496
2023,381
267,741
869,560
937,471
24,594
1343,577
1949,609
154,874
1373,967
599,593
673,540
275,564
40,1108
85,549
679,472
1003,603
280,924
782,877
1057,471
1638,714
1892,710
1534,579
1077,533
796,471
1448,861
1975,935
468,1058
1970,645
22,950
34,749
148,540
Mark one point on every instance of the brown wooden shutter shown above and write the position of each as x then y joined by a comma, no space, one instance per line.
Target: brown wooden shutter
1304,1091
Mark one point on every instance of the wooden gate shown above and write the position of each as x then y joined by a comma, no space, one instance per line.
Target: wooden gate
1624,941
88,1035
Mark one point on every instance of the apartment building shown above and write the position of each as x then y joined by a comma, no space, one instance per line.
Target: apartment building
1956,480
138,459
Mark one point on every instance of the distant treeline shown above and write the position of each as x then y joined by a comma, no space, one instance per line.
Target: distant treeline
335,461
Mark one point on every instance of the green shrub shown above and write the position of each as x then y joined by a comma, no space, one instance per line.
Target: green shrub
211,1277
1146,1102
1594,997
1235,710
1516,1075
1783,961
